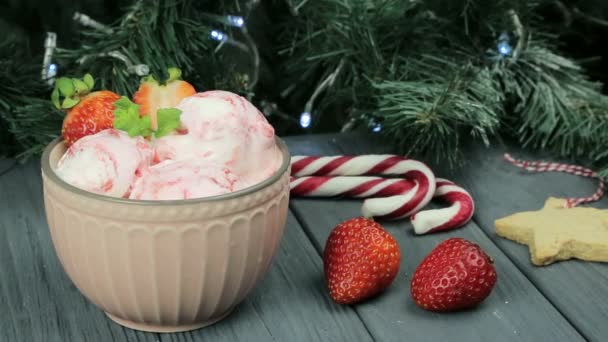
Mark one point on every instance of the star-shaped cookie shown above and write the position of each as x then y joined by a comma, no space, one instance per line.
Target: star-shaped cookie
556,233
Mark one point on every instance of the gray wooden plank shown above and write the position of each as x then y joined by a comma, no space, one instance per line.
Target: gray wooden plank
516,310
576,288
39,302
6,165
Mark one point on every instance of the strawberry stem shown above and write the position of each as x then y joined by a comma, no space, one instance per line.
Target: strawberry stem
88,79
174,74
154,120
149,79
69,91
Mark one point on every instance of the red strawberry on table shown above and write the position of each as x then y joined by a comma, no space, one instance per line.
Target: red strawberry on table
152,96
87,112
361,259
456,275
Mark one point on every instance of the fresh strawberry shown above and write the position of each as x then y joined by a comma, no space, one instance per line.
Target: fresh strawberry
456,275
361,260
152,96
87,112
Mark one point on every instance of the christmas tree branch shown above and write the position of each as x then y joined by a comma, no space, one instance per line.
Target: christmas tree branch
157,34
431,114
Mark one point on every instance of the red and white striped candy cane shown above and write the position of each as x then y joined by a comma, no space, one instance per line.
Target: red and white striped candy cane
401,205
349,186
541,166
459,212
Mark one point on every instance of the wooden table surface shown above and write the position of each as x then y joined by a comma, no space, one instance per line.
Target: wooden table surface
566,301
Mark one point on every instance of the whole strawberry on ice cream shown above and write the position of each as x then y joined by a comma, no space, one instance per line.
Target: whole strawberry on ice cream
87,111
167,144
105,163
225,129
153,96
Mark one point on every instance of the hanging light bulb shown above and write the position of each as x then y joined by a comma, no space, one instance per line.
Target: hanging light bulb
305,119
306,116
235,20
50,43
504,46
374,125
218,36
52,70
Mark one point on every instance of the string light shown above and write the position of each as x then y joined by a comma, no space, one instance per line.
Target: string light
218,36
235,20
87,21
504,46
374,125
50,43
305,119
137,69
249,46
52,70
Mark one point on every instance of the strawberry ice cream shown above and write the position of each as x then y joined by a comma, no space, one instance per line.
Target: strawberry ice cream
224,144
225,129
105,163
176,180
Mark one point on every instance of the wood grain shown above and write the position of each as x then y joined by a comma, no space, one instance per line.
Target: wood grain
515,311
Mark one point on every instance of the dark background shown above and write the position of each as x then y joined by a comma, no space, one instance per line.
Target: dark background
578,24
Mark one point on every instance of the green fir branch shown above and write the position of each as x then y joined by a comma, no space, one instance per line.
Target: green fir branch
431,73
19,82
432,115
156,33
34,125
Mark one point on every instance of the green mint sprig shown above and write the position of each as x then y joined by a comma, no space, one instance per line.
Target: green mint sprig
126,118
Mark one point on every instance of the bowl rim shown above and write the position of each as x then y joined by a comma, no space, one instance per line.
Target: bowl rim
52,175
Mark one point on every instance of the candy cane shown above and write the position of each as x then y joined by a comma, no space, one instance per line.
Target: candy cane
412,195
349,186
459,212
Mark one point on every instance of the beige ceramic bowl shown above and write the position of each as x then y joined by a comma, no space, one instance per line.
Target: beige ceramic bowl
165,266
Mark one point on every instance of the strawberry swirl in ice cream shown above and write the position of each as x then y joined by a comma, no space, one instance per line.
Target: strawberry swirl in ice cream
105,163
174,180
225,129
221,143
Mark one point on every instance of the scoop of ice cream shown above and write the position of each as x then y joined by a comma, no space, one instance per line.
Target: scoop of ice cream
177,180
105,163
225,129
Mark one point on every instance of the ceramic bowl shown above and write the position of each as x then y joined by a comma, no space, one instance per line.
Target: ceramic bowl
165,266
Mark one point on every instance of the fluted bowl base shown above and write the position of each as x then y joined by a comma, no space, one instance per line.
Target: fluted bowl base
165,328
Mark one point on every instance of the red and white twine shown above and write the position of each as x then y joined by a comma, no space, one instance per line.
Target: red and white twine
541,166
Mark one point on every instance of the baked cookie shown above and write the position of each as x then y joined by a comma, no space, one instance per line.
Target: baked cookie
556,233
